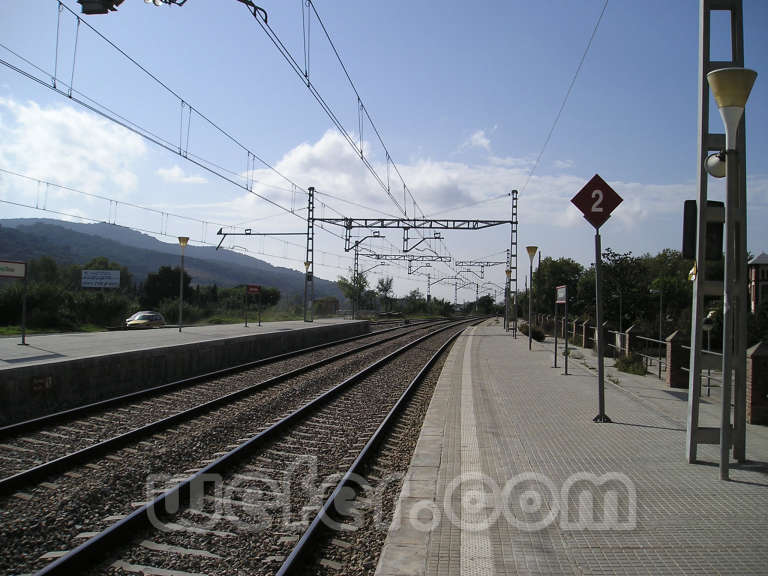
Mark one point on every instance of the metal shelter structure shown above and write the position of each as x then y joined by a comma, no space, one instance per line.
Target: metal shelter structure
405,224
478,263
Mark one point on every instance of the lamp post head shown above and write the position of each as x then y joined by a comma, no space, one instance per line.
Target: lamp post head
715,165
183,241
730,88
531,252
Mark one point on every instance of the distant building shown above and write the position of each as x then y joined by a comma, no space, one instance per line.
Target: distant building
758,281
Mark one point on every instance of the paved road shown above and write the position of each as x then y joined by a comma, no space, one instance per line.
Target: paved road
506,477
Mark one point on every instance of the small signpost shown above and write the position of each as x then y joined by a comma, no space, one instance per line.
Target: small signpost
561,297
597,200
252,289
11,269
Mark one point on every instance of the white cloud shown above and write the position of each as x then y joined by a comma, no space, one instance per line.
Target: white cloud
563,164
332,167
478,139
176,174
69,147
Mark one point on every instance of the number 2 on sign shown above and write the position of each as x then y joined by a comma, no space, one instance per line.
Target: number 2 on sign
598,196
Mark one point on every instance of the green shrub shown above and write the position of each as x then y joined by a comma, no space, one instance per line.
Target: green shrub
632,364
537,334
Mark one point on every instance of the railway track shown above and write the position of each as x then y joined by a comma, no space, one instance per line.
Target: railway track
35,448
91,502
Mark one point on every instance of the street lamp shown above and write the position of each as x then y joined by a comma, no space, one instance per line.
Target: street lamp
183,241
707,324
531,255
659,292
730,88
618,293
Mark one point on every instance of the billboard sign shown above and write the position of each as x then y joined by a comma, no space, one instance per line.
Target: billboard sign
100,279
10,269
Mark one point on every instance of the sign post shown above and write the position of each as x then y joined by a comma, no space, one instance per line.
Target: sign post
245,305
560,298
11,269
597,200
253,289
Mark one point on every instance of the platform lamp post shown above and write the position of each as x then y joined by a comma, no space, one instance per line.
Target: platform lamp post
661,312
531,255
661,296
183,241
730,88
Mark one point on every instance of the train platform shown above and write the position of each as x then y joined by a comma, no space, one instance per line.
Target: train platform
511,475
44,348
56,372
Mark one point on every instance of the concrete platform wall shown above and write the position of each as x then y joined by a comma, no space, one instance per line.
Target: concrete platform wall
31,391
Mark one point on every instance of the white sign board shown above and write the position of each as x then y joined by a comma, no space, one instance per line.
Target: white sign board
560,295
13,269
101,279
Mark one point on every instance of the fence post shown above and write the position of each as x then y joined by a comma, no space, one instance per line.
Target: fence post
677,361
757,384
629,340
585,334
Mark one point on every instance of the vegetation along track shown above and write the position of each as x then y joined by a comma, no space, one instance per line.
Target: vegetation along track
30,450
43,521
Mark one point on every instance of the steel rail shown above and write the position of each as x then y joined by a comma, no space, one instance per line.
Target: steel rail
292,563
48,419
13,483
77,560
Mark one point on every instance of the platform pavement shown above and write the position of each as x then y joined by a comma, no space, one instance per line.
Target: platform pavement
43,348
502,414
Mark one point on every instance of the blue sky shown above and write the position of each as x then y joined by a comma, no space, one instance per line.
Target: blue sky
463,96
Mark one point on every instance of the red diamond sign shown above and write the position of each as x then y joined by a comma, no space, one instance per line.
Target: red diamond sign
596,201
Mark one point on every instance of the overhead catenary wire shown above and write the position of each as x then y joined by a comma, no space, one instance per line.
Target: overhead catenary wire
303,74
565,98
84,100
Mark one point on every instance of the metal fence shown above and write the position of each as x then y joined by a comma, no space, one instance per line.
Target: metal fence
712,375
652,351
616,343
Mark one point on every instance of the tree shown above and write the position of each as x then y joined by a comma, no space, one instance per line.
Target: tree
668,272
353,287
485,305
415,302
384,288
44,270
164,285
549,275
626,279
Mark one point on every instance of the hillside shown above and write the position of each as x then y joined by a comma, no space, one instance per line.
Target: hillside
76,243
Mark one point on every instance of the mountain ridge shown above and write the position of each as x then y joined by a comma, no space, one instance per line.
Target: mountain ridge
26,239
